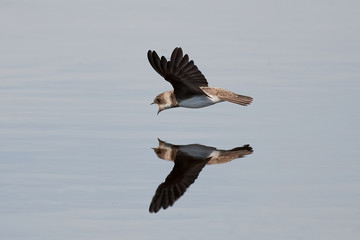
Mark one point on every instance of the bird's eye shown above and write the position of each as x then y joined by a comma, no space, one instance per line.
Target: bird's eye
158,151
157,100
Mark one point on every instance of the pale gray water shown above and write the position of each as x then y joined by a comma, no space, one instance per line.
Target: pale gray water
76,127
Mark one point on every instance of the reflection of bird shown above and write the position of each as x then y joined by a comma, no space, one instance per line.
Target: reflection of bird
189,161
190,86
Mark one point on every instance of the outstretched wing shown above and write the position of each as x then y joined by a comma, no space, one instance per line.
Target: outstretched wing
183,74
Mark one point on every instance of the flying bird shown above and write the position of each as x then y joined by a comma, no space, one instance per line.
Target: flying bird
191,88
188,160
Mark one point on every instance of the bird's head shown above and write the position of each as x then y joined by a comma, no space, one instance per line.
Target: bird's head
165,150
164,101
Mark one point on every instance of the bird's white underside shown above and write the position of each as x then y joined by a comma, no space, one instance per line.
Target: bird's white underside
200,151
199,101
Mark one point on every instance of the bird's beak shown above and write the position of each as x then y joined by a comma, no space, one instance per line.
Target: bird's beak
152,103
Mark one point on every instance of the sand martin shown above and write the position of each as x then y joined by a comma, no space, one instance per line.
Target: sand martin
188,160
191,88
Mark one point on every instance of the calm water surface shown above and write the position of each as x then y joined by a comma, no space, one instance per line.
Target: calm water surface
77,128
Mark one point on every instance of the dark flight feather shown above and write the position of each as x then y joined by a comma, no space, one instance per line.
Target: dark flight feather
184,173
183,74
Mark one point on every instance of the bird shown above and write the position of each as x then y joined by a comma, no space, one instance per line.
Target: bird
189,160
191,88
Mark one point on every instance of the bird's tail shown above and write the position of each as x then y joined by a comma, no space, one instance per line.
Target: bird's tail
226,95
229,155
238,99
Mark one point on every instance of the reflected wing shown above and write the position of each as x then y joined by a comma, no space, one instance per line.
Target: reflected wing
184,173
183,74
